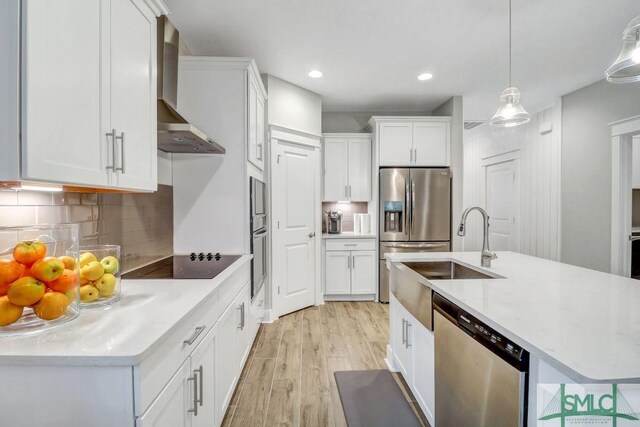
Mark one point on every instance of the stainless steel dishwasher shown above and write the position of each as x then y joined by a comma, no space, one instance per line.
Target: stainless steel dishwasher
481,376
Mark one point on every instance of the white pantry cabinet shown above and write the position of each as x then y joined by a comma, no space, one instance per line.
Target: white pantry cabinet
88,89
256,120
349,268
412,141
347,167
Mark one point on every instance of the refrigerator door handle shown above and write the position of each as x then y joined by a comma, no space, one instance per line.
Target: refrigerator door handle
413,202
407,208
415,245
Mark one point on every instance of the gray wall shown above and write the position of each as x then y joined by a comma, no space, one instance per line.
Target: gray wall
453,108
586,169
293,107
142,223
356,121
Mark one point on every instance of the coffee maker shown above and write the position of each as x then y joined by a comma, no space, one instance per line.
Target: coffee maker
334,222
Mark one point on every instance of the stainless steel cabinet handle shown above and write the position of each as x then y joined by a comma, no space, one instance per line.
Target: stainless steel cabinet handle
349,190
112,135
413,202
121,138
407,345
195,335
194,378
404,339
240,309
200,399
346,191
350,244
243,315
353,261
349,262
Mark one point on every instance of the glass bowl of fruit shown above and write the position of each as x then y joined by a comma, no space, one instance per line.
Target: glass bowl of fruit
39,278
99,275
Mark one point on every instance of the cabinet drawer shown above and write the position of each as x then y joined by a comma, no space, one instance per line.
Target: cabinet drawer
351,244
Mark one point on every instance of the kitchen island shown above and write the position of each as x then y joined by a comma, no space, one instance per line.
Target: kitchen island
578,325
147,360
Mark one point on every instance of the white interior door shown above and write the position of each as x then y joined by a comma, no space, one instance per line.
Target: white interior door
294,193
503,201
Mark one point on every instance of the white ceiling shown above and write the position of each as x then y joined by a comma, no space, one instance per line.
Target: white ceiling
372,50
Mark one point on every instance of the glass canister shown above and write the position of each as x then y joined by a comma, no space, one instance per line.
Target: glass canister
39,278
99,275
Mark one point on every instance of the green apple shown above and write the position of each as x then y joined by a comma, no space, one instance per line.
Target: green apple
110,264
92,270
106,284
86,258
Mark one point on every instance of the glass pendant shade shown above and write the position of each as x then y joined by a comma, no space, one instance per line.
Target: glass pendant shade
510,112
626,69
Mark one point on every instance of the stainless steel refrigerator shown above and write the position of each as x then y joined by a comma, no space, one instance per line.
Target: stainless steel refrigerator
415,214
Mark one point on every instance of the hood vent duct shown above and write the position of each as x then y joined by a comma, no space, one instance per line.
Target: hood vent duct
175,134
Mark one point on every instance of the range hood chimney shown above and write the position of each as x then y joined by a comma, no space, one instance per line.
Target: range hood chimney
175,134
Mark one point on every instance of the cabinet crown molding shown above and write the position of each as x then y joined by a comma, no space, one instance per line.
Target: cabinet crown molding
158,7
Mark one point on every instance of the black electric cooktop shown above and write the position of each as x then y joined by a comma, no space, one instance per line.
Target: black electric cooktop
193,266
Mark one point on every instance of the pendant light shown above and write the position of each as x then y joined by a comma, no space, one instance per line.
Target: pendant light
626,69
510,112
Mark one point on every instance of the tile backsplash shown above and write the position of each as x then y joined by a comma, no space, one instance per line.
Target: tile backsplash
141,223
348,209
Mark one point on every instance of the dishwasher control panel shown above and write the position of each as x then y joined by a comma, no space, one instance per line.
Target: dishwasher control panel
489,337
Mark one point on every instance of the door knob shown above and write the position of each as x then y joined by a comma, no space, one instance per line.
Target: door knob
312,235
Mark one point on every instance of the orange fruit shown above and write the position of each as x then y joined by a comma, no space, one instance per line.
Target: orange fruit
10,271
51,306
29,251
9,312
69,262
63,283
25,291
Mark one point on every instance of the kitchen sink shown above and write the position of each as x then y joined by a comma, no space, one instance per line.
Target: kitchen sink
447,270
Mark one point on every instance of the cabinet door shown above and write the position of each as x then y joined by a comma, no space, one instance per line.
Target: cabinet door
363,278
402,337
424,371
133,93
337,272
359,169
395,141
171,407
203,363
431,144
226,358
336,155
260,131
243,340
63,133
396,330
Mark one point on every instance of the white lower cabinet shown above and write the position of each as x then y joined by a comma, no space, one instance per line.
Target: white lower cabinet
413,352
350,268
171,407
203,366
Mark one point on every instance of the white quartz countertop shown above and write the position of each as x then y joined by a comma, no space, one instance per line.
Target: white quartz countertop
348,235
121,335
583,322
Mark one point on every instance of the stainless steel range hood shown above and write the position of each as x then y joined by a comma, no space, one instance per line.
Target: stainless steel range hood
175,134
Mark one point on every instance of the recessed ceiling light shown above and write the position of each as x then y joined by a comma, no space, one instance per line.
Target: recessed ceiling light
315,74
425,76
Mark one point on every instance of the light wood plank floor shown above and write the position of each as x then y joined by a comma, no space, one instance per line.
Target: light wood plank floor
288,379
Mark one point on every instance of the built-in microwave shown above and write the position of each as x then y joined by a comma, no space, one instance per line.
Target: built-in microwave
259,234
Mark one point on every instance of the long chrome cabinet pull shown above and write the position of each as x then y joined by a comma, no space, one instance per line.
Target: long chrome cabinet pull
195,335
407,345
121,138
200,371
240,310
243,316
353,261
112,135
346,191
194,378
404,339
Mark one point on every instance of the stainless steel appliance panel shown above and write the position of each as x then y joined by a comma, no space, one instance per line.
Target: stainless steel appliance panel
473,385
259,266
406,247
395,203
430,212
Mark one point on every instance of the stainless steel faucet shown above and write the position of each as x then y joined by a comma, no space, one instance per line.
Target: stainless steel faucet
487,255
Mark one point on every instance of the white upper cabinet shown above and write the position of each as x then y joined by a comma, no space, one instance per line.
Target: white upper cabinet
347,167
396,143
133,93
88,67
255,121
413,141
431,143
63,138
